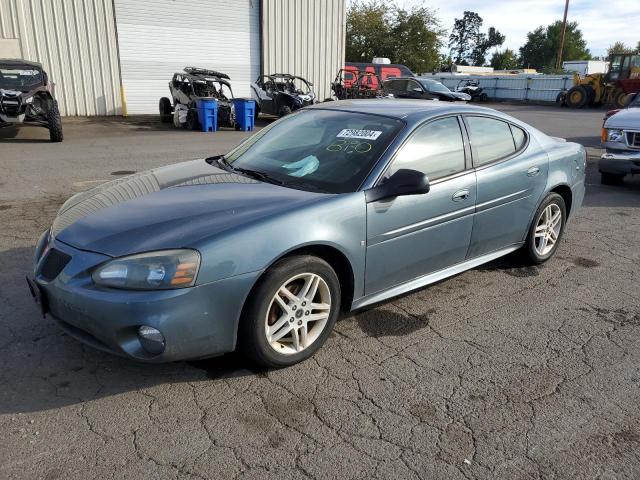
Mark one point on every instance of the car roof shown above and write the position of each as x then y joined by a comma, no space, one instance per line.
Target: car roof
18,62
406,109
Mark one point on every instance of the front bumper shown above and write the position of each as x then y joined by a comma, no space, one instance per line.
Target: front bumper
196,322
621,162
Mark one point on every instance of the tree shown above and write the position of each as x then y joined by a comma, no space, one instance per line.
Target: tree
467,44
541,49
505,60
368,31
619,47
380,29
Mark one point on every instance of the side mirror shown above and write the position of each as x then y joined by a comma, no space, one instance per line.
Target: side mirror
403,182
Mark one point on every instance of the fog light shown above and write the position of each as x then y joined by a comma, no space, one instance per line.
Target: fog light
151,339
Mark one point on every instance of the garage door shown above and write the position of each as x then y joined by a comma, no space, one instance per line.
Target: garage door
157,38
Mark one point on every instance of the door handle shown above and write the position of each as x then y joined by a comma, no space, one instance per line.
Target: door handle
533,171
460,195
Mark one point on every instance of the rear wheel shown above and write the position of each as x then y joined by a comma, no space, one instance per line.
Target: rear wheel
577,97
291,312
54,122
546,230
166,111
484,97
611,178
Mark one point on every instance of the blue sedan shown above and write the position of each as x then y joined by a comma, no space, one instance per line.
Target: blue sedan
336,207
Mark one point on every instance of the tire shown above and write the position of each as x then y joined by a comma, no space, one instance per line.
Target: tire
484,97
534,252
577,97
611,178
284,111
328,99
54,122
262,309
166,110
192,120
618,99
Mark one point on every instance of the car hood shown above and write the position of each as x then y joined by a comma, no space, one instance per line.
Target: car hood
169,207
454,95
627,118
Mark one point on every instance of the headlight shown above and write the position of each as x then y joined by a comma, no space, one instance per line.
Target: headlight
160,270
29,100
614,135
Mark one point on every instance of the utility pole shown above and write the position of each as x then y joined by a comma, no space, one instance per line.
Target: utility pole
564,29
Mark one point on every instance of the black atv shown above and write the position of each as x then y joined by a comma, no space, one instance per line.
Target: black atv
26,97
197,83
280,93
473,89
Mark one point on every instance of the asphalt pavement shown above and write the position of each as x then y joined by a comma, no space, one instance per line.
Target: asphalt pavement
503,372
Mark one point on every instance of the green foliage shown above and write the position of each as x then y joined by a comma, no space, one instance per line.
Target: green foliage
470,46
380,29
620,47
504,60
541,49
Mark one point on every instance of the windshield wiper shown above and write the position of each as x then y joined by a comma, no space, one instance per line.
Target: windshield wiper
256,174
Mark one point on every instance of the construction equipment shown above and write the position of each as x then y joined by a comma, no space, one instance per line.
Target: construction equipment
611,88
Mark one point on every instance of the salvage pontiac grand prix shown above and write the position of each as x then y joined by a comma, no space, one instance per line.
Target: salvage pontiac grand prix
335,207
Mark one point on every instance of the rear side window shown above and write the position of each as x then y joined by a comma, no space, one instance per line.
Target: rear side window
519,137
491,139
435,149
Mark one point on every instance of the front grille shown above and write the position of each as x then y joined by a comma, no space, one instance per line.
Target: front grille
633,139
53,264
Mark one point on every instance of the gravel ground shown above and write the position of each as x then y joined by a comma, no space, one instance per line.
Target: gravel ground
501,372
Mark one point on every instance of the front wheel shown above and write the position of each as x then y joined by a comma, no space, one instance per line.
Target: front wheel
54,122
546,230
291,312
166,110
284,111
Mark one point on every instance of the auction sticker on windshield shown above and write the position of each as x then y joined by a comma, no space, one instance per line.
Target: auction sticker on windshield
363,134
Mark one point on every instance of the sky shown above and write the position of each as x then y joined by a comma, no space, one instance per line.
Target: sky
602,22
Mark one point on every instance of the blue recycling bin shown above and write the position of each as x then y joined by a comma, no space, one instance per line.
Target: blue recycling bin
245,114
207,114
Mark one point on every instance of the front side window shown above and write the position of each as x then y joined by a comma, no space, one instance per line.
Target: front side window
491,139
318,150
435,149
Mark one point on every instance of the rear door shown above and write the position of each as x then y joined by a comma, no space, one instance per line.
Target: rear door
511,174
411,236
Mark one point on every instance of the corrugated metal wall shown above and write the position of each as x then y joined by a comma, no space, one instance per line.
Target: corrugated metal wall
76,43
304,38
160,37
536,88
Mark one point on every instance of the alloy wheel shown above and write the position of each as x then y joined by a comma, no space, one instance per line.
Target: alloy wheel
548,229
298,313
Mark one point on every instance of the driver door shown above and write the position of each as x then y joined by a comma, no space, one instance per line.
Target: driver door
264,93
411,236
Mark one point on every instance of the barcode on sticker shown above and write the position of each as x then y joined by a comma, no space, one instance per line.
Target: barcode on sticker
364,134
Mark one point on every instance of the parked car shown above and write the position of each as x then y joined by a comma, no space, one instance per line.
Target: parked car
621,141
261,248
280,94
188,87
422,88
473,89
27,97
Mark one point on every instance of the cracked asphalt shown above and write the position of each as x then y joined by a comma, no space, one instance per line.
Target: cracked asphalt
503,372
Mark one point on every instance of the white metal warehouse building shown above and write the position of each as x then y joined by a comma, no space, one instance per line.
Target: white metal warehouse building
113,57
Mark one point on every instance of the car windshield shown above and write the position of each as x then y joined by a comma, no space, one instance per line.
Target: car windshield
20,78
433,86
319,150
